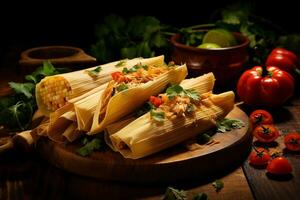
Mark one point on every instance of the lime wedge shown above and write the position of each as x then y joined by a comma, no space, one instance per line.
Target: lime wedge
209,46
220,37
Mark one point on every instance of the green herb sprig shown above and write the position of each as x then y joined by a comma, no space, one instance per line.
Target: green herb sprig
228,124
16,110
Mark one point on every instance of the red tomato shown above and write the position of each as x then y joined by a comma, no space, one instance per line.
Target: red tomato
259,157
258,117
279,166
266,133
116,75
119,77
292,141
156,101
271,90
283,59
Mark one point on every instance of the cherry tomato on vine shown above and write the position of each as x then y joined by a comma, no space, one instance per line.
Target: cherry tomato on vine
266,133
259,117
292,141
259,157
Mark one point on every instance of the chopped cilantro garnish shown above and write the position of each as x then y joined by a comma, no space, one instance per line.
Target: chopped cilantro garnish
89,147
121,63
122,87
94,73
192,94
135,68
218,184
173,91
177,90
157,116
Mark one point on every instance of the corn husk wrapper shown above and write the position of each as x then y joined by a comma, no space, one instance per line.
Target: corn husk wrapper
81,82
82,108
203,84
129,100
62,124
143,136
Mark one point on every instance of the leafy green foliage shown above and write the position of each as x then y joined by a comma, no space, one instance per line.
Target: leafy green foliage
46,70
174,194
218,184
138,36
90,146
23,88
191,37
238,18
290,42
17,109
17,116
227,124
200,196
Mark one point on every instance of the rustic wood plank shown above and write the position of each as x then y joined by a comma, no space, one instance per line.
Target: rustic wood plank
286,119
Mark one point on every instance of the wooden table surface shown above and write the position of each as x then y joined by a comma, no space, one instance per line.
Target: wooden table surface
28,176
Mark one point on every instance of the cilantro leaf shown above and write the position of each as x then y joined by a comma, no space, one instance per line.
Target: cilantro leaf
218,184
173,91
23,88
89,147
122,87
192,94
94,73
47,69
200,196
135,68
176,90
157,116
203,138
121,63
17,116
174,194
144,109
228,124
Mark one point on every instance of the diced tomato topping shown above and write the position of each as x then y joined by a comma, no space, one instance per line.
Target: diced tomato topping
156,101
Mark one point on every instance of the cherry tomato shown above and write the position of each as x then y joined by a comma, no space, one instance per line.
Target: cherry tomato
156,101
266,133
279,166
292,141
258,117
259,157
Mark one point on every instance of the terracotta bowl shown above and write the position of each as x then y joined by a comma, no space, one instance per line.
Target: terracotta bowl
60,56
226,63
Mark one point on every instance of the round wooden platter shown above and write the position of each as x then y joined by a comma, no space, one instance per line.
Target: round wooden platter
172,164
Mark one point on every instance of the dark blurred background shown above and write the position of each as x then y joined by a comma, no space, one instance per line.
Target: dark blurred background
30,24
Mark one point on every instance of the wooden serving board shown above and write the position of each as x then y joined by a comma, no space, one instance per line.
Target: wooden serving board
172,164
